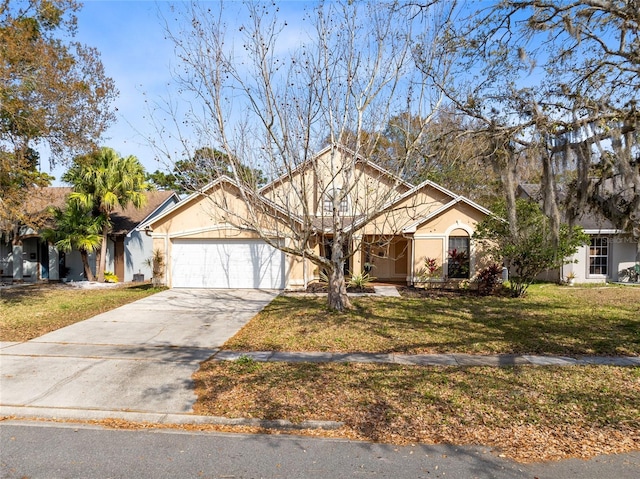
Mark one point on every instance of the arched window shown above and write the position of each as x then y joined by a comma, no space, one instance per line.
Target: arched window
328,201
459,255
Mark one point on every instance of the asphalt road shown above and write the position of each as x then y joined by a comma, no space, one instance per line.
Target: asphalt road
53,450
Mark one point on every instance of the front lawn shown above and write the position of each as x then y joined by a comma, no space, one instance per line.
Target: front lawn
527,413
29,311
550,320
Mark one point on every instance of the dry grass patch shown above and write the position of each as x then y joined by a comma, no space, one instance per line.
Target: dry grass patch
550,320
29,311
529,413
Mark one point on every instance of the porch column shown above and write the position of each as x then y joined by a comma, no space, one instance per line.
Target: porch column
18,268
356,260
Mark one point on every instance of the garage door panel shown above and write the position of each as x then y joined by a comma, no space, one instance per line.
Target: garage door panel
226,264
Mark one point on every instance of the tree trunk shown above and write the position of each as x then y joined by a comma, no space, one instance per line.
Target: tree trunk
637,265
337,299
85,264
102,261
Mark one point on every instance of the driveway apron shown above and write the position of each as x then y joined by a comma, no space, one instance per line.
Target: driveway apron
138,357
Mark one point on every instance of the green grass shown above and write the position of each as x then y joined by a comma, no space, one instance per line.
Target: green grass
528,413
550,320
29,311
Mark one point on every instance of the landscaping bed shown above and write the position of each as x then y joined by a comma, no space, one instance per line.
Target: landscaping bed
320,287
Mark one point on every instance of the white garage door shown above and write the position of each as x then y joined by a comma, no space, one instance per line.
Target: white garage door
226,264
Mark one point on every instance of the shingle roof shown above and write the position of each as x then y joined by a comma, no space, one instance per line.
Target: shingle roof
126,220
42,198
123,220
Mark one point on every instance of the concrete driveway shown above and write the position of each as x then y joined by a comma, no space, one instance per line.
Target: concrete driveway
137,358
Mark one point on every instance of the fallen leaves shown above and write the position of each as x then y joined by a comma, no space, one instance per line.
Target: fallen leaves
556,413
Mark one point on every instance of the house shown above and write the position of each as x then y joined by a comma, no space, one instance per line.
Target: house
610,255
128,247
393,226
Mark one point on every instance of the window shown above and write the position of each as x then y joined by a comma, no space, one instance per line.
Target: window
599,256
458,257
327,203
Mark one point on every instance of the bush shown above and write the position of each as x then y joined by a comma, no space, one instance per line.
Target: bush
489,278
360,281
430,270
110,277
529,247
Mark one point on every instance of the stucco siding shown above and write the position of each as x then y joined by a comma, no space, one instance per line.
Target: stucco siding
73,261
138,248
623,257
429,247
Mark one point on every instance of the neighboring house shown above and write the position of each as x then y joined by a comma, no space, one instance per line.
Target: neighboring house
128,247
208,246
38,260
609,256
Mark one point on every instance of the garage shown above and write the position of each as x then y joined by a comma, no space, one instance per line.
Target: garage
226,264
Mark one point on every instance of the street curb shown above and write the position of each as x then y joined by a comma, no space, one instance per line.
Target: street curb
18,412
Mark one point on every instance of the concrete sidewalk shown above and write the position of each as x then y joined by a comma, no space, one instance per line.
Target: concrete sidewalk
496,360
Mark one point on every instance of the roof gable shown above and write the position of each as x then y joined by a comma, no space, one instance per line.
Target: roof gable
127,219
444,208
206,191
123,220
438,196
358,160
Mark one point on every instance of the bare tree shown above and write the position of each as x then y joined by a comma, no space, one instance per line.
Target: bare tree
269,90
558,81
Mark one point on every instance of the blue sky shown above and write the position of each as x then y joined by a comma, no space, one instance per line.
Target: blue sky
129,37
131,40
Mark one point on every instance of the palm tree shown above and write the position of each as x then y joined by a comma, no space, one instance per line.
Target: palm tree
75,227
103,181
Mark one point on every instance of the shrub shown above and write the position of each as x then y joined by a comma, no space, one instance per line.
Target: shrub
529,247
430,270
110,277
360,281
157,264
489,278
